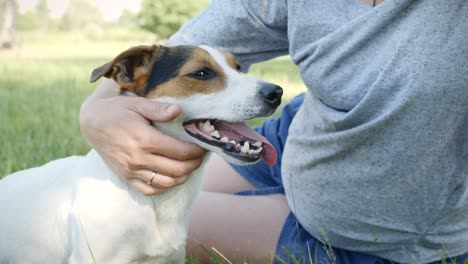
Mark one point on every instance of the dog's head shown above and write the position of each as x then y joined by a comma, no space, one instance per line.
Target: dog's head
215,97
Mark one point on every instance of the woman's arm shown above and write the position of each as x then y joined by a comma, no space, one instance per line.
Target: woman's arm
253,31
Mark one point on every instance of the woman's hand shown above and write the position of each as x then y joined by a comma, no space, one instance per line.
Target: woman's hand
119,129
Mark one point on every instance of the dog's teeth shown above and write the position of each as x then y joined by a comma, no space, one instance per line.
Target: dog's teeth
256,151
225,139
246,147
257,144
216,134
208,127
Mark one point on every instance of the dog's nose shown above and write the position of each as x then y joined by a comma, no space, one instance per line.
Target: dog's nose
271,94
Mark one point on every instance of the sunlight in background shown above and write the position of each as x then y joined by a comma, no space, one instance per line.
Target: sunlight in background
110,9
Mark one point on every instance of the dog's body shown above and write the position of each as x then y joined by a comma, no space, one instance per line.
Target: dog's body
76,210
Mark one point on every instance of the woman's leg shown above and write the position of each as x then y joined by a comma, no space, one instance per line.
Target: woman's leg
237,226
220,177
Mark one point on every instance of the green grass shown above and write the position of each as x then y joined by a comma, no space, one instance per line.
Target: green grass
39,104
44,82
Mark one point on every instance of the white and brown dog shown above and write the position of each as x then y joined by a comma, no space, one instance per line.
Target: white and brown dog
76,210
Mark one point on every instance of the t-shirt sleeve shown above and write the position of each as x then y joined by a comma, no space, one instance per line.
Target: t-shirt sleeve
253,31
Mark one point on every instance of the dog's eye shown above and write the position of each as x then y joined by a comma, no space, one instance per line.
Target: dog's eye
202,74
238,67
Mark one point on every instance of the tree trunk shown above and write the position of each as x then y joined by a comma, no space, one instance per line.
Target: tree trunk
8,24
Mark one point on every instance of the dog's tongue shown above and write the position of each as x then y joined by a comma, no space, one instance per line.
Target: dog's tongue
268,153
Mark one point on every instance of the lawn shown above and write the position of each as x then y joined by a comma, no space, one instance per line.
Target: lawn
45,80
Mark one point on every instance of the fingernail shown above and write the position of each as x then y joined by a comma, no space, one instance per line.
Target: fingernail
171,109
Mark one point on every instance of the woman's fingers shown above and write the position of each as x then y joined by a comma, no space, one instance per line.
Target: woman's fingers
151,183
145,188
167,166
157,112
156,142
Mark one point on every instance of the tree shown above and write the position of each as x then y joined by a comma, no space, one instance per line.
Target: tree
42,11
79,14
27,21
164,17
8,23
128,19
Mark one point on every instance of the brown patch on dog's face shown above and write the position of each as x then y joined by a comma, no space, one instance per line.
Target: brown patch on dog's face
157,71
131,68
231,60
200,74
140,76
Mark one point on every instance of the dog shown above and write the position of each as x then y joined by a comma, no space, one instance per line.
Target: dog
76,210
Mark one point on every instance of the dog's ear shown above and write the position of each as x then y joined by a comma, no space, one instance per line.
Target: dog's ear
131,68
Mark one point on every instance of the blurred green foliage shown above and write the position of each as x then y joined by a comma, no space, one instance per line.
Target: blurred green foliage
79,14
165,17
161,18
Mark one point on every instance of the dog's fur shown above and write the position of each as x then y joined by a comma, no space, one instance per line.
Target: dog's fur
76,210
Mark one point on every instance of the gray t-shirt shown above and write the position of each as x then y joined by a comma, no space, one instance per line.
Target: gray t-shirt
377,156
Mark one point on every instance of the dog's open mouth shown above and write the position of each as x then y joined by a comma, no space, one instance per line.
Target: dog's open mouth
236,139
